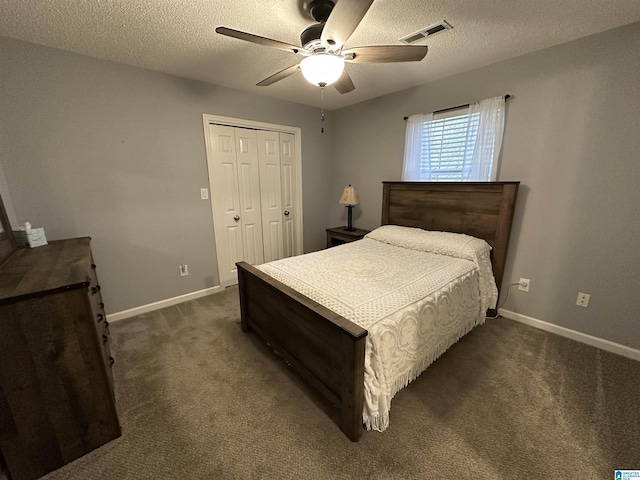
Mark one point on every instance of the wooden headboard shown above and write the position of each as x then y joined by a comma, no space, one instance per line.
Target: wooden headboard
481,209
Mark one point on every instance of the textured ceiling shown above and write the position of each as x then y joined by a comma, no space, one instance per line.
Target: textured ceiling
178,37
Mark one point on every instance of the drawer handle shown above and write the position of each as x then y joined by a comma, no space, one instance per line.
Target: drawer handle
95,289
100,317
104,339
101,305
93,266
106,326
111,361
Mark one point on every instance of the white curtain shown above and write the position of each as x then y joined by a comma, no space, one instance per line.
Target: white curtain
416,141
482,164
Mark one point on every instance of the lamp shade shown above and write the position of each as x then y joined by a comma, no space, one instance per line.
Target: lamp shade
349,196
322,68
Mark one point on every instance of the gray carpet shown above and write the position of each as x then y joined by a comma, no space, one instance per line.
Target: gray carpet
197,399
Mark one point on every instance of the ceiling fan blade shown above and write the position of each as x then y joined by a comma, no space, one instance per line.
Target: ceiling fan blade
342,22
386,54
249,37
276,77
344,84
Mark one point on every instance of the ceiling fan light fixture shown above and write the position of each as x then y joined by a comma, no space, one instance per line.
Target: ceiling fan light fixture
322,68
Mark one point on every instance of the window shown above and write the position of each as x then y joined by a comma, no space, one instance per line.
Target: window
445,141
459,145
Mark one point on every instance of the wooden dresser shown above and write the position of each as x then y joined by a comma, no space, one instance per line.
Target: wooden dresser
56,388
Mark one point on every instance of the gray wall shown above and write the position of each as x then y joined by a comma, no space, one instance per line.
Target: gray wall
91,147
573,141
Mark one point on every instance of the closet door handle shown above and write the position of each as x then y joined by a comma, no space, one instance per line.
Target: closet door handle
286,213
236,218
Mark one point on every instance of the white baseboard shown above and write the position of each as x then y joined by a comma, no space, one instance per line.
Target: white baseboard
518,317
573,334
132,312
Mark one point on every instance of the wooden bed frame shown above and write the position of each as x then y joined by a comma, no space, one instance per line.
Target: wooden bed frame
326,348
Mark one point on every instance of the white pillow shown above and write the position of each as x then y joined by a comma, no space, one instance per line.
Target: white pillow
456,245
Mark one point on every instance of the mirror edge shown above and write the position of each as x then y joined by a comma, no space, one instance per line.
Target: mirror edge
8,243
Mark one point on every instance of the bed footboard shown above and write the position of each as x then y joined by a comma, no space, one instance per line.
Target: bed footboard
327,349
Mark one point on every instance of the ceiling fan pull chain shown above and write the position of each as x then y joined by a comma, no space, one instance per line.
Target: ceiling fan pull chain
322,109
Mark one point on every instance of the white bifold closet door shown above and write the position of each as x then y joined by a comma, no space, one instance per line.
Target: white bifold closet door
251,175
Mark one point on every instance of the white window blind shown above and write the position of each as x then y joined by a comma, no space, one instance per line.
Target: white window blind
445,145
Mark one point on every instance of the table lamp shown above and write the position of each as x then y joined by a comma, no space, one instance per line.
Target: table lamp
350,199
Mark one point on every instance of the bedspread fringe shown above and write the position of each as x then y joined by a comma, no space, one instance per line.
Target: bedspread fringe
380,422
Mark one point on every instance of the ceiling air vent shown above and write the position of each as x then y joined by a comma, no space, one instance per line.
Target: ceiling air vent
426,32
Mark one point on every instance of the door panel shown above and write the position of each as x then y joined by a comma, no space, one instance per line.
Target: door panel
234,182
253,244
249,193
234,244
222,178
270,194
274,234
228,175
288,179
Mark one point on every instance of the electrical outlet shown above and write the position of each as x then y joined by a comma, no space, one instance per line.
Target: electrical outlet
523,284
184,271
204,194
583,299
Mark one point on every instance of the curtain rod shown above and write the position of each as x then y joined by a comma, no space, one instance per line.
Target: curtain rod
506,97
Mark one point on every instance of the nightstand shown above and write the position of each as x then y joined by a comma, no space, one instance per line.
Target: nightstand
340,235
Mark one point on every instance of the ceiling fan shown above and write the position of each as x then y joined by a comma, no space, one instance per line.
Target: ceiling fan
322,45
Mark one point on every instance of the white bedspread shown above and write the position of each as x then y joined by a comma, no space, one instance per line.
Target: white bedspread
416,293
